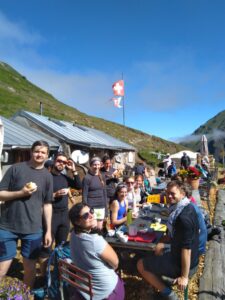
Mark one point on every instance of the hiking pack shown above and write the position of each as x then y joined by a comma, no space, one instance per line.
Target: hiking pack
51,288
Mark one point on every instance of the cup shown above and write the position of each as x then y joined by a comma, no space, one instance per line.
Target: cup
111,232
119,234
132,230
158,220
123,238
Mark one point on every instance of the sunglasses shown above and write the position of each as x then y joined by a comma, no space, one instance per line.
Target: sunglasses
64,162
85,216
130,182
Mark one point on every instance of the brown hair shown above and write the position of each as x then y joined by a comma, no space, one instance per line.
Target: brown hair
40,143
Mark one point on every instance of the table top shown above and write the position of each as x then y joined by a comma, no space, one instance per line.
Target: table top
145,218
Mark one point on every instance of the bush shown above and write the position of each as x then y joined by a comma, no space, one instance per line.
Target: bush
13,289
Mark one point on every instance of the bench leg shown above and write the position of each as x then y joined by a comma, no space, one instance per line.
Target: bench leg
186,293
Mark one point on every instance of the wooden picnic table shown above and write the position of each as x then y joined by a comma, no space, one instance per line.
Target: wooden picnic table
146,217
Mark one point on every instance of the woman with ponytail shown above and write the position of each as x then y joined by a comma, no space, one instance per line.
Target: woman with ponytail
94,191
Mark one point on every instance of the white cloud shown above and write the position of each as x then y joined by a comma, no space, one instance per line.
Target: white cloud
17,32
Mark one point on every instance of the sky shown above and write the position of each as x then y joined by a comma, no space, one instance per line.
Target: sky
170,53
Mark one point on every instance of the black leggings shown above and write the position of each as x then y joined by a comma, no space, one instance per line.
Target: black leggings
60,225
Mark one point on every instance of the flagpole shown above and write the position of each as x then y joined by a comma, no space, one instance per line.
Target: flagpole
123,106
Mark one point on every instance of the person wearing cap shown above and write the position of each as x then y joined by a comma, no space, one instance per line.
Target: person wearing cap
94,191
49,164
167,162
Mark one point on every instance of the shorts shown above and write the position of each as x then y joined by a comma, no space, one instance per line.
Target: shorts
30,244
162,265
99,213
119,292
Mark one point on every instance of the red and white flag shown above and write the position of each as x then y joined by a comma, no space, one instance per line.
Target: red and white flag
118,88
116,101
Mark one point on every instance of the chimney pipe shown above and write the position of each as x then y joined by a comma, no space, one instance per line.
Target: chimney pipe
41,108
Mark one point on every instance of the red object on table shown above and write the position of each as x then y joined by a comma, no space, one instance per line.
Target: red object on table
147,237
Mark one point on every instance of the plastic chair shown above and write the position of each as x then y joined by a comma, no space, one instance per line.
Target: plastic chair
75,277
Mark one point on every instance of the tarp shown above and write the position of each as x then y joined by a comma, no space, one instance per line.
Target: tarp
192,155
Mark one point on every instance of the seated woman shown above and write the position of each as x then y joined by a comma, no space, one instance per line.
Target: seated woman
139,190
119,206
132,196
90,252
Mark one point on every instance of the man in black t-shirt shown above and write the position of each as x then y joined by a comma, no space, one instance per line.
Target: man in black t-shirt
185,161
25,190
183,235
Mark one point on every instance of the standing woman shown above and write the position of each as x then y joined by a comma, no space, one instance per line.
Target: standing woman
110,174
94,191
119,206
91,252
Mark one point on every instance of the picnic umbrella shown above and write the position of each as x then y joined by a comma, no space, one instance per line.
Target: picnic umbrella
204,146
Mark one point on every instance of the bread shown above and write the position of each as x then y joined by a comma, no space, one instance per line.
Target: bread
31,185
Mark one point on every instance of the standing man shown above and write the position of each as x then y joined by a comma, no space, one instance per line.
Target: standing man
166,163
183,235
185,161
61,184
26,191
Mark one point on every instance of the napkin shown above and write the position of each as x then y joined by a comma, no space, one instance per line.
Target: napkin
158,227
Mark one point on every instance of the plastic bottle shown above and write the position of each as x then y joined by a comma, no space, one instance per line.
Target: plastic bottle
129,217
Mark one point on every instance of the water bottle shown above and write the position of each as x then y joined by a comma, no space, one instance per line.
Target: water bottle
129,217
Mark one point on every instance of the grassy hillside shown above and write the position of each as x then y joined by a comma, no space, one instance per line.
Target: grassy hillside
16,93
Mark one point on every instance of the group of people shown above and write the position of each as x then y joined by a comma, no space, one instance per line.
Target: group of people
38,216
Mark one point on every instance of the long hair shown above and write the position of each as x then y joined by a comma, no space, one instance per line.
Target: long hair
95,158
119,187
74,216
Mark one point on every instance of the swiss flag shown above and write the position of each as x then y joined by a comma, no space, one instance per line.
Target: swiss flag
118,88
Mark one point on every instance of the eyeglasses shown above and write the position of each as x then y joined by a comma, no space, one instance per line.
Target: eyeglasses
130,182
64,162
85,216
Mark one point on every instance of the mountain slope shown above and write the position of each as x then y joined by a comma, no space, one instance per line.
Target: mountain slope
16,93
214,129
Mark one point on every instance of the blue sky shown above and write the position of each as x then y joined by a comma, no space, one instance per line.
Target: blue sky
171,54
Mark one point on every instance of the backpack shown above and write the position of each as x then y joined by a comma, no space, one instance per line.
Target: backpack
51,289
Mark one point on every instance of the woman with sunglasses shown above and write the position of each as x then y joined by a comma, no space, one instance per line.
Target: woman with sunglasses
94,191
132,196
119,206
90,252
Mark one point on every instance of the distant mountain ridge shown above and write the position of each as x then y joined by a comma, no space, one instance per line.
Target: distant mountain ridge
17,93
214,129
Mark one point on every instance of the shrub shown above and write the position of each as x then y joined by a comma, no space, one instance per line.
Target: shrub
13,289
